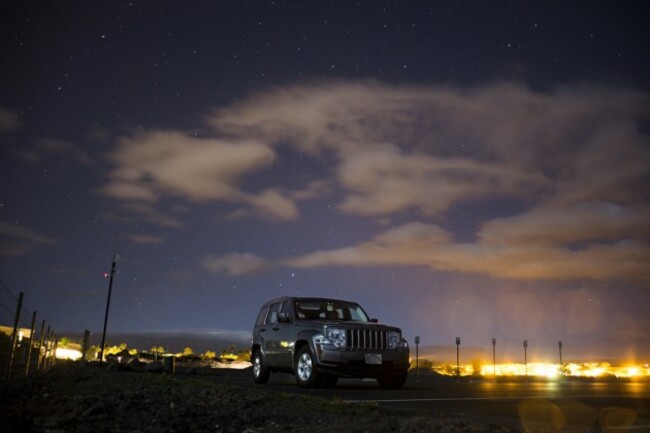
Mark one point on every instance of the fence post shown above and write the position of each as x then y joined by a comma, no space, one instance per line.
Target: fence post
46,343
54,347
40,346
12,349
85,345
48,347
31,344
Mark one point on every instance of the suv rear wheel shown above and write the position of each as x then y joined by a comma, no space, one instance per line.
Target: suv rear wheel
306,375
260,372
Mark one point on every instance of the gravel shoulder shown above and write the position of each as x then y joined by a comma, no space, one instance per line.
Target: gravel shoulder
76,397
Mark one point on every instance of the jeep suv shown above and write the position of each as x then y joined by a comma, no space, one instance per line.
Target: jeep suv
320,340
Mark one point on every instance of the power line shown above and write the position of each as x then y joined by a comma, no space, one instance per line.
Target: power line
25,312
8,289
6,309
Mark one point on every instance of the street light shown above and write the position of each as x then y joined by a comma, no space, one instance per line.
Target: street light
494,357
417,355
457,356
526,357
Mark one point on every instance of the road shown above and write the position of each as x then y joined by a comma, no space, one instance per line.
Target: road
579,403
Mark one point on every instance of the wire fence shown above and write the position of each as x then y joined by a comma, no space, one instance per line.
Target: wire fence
28,342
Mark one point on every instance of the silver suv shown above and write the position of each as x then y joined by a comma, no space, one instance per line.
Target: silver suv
320,340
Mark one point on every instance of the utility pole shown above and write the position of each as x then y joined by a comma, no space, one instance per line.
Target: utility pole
108,300
559,345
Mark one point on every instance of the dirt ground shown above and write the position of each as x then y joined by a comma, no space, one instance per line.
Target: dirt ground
76,397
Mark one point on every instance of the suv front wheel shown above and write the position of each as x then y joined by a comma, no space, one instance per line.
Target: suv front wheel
260,372
306,375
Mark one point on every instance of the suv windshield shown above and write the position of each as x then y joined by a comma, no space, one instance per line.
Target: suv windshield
319,309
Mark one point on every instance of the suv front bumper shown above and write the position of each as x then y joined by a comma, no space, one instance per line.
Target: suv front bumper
352,363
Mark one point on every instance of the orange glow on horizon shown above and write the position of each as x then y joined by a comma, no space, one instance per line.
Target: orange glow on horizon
547,370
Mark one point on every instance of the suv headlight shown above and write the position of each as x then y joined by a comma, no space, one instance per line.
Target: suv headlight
394,339
337,336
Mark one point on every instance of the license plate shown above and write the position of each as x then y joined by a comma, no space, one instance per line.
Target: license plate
373,358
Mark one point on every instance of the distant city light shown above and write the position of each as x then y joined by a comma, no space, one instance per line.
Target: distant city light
548,370
65,353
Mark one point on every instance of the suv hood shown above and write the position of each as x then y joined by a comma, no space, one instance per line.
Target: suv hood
347,324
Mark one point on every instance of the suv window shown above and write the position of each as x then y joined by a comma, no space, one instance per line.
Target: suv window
272,317
324,309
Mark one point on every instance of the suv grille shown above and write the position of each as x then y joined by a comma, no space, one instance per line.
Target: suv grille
366,339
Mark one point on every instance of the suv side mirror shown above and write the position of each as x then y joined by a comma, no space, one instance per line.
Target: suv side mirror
283,317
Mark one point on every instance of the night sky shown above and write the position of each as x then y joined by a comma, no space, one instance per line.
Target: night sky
476,169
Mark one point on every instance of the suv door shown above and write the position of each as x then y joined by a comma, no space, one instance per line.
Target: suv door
279,336
259,330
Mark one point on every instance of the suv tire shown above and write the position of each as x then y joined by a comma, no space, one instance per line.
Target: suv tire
260,372
306,375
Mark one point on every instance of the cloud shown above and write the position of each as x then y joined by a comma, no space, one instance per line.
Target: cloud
574,158
235,264
169,162
45,148
398,148
138,211
418,244
8,120
144,239
16,239
159,164
314,189
386,180
129,190
566,225
64,148
410,244
272,202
